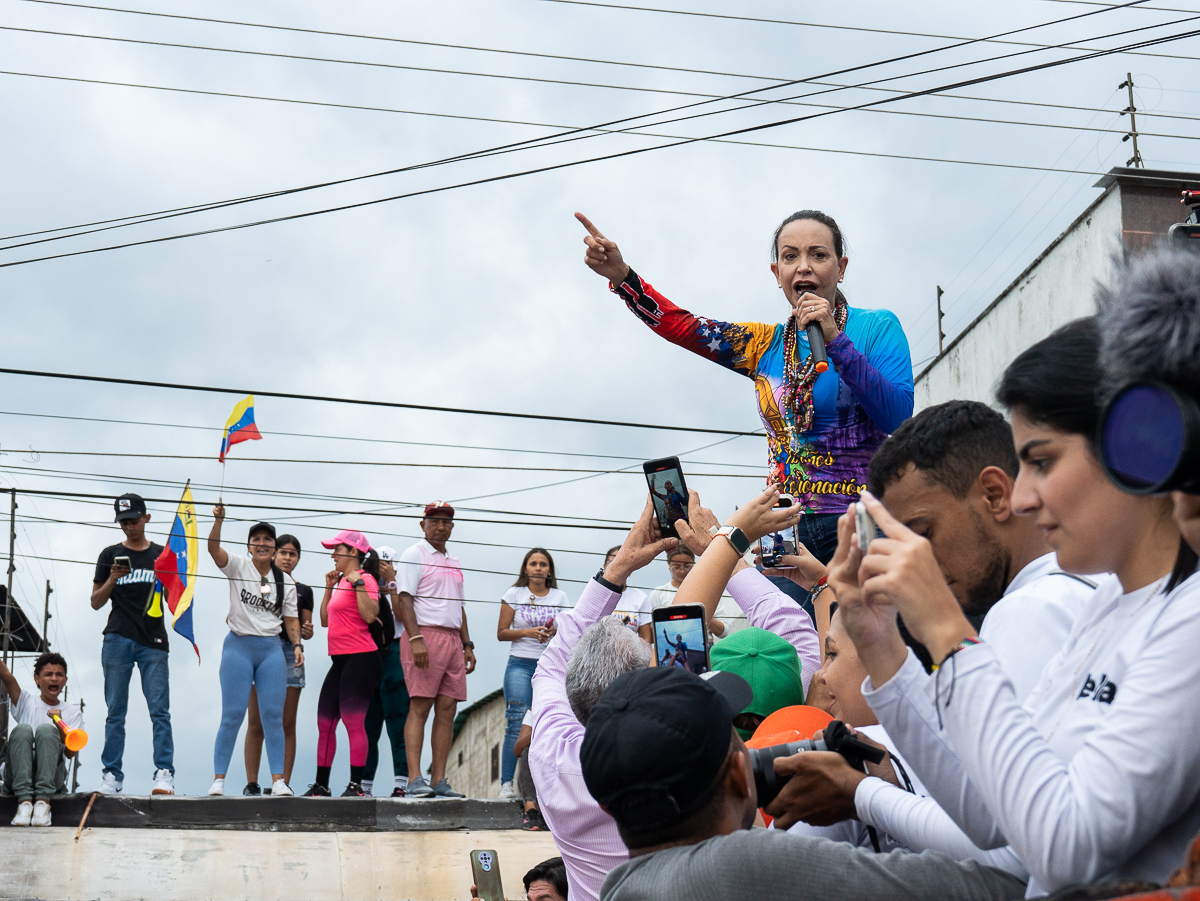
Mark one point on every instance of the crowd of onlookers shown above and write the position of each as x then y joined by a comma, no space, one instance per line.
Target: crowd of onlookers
1010,615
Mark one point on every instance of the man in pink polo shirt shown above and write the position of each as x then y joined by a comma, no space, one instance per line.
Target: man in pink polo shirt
436,650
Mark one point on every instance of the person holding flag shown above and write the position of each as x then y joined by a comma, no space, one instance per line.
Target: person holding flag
261,597
134,636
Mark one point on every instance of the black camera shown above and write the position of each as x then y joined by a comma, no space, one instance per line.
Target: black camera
837,738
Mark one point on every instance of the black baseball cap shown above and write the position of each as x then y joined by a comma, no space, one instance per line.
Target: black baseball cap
129,506
655,742
261,527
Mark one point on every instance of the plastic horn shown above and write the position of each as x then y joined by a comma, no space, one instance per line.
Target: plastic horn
74,739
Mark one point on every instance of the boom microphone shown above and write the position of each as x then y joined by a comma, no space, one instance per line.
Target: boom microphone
816,341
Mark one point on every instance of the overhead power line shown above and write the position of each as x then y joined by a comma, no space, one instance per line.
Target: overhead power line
287,395
162,214
559,57
611,156
401,464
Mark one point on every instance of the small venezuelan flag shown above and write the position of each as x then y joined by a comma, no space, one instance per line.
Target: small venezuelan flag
240,426
176,569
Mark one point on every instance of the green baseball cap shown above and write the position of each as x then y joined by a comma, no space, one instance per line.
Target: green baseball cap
768,663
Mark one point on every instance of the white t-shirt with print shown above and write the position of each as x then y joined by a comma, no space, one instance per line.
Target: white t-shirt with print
530,612
250,611
31,711
633,608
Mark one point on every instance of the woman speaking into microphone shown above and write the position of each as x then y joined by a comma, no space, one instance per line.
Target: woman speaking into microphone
822,426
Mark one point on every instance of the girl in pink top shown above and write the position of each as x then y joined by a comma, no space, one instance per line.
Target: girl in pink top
350,605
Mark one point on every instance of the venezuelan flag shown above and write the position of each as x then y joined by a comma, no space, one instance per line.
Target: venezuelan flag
240,426
176,568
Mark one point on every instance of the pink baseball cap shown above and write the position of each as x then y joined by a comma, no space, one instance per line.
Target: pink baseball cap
356,540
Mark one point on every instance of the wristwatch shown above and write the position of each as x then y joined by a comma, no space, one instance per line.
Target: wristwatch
392,586
468,645
736,538
615,589
358,583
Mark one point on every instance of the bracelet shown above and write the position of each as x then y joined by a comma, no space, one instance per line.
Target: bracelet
965,643
413,638
820,585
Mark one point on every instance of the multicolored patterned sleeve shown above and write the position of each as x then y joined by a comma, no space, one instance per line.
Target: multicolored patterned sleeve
735,345
880,372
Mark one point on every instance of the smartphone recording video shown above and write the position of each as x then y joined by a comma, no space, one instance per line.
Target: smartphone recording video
669,491
778,544
681,638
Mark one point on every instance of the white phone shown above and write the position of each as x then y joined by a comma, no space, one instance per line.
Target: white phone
865,526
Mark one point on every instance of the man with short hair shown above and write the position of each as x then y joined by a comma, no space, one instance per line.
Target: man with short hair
35,754
436,651
136,635
390,703
661,757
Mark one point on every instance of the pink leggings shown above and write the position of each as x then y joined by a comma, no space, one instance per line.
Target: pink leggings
345,695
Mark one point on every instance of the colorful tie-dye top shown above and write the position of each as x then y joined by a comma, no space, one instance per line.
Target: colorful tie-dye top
863,396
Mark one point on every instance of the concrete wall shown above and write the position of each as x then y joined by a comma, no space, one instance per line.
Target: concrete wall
200,865
1055,289
478,745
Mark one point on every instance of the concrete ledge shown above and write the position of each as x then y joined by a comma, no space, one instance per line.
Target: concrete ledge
278,814
207,864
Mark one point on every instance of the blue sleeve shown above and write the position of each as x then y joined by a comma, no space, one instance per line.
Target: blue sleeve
879,372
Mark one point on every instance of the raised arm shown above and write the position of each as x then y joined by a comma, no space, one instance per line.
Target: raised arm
734,345
220,557
10,684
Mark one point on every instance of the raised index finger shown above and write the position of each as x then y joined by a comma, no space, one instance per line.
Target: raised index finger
587,223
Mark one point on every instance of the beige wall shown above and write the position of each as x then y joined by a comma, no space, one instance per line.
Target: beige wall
200,865
483,732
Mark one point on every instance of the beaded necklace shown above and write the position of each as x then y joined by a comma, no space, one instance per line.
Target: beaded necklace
799,378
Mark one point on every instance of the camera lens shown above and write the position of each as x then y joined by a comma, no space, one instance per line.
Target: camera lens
762,761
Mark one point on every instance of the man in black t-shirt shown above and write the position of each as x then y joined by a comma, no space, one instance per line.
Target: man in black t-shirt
136,634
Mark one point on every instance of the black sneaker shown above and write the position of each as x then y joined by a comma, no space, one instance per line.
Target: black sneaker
252,790
397,793
317,790
533,821
354,790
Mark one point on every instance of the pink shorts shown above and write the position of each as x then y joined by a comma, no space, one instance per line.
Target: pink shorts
447,671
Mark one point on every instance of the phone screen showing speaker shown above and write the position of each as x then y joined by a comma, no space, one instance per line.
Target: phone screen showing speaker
668,491
680,638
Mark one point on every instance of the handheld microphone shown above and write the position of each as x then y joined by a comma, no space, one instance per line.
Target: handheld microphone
816,341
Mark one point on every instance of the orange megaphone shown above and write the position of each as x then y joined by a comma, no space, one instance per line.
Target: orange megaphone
74,739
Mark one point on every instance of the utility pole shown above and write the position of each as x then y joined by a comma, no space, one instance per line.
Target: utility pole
46,619
12,566
1136,159
941,334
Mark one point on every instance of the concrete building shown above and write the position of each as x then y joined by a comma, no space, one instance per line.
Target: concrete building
1133,214
474,764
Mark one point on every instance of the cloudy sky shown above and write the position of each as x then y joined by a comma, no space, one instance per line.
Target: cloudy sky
476,297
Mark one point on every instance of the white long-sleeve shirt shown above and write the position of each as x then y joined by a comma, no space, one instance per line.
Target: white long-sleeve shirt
1097,775
1026,628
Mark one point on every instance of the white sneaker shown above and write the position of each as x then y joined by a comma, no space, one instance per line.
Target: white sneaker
41,814
367,785
507,793
164,783
280,789
218,788
111,785
24,812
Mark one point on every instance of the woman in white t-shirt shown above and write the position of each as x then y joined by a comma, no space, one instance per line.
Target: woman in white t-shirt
527,614
250,655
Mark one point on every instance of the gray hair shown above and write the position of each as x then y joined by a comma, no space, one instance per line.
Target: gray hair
607,649
1150,322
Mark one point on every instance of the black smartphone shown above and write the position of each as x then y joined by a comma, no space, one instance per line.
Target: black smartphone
485,870
669,492
777,544
681,637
